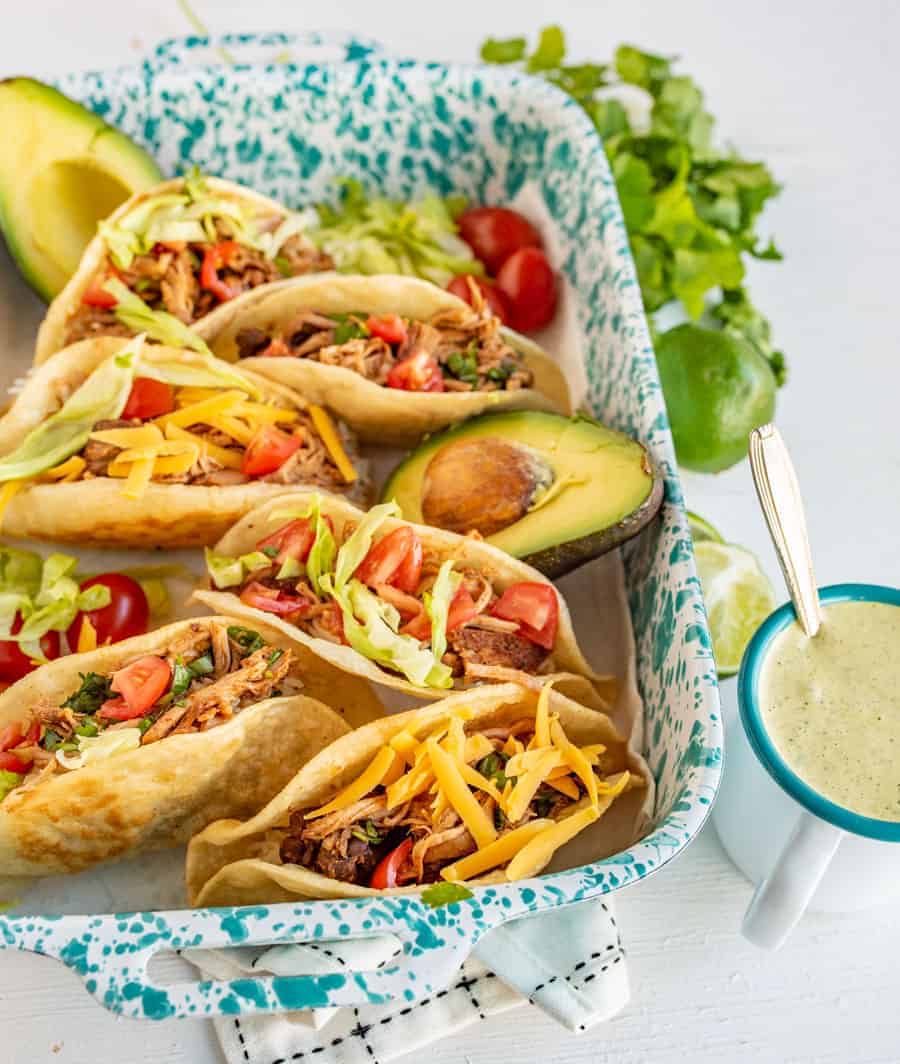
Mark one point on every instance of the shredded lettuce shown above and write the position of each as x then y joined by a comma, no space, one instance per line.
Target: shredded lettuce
103,395
213,374
437,606
323,551
159,325
97,748
377,235
370,627
46,595
291,569
223,570
356,547
8,782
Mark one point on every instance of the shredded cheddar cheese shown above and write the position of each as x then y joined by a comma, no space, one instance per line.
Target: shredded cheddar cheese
373,777
9,489
225,456
66,471
536,853
497,853
87,636
332,441
460,797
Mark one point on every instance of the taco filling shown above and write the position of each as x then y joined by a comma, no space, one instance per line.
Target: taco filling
459,803
179,255
194,421
209,673
458,349
393,600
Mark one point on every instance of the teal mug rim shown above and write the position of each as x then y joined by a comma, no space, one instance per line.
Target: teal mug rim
764,748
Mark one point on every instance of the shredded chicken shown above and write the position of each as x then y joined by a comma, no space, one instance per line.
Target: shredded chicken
221,649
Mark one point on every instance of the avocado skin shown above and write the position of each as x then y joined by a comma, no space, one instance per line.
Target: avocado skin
41,127
643,496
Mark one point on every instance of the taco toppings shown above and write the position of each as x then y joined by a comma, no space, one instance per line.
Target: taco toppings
458,349
180,254
458,803
208,674
193,421
392,598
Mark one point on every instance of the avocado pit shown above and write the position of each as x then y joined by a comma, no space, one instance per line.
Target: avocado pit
482,485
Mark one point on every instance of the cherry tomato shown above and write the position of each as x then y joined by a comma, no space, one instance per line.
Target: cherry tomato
386,871
407,605
396,559
127,614
535,607
293,540
270,600
215,258
97,296
269,449
418,373
495,233
528,282
389,327
496,301
462,608
10,763
149,398
14,664
140,684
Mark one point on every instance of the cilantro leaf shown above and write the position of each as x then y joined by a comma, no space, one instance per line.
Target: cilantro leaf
445,894
510,50
550,50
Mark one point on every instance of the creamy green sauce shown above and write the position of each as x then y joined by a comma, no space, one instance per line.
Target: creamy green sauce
831,705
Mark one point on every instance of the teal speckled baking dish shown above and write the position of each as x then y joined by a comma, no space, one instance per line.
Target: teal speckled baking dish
404,127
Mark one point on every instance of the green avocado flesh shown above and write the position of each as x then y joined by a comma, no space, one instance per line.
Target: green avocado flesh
62,169
552,490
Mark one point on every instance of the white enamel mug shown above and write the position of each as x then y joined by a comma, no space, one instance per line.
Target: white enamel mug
798,847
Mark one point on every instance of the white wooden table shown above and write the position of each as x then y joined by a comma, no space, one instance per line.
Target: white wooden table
811,87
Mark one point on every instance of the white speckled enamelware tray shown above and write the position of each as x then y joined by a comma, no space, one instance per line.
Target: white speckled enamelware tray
405,127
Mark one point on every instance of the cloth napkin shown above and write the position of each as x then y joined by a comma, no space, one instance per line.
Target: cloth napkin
569,963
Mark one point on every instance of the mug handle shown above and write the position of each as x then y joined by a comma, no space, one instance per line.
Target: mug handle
782,897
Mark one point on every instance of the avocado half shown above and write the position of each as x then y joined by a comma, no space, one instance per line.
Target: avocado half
62,169
555,491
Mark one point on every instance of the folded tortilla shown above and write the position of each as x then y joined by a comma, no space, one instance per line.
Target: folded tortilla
160,794
378,414
235,863
96,511
52,335
573,674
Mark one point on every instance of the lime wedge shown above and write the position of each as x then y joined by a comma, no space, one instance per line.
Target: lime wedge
739,596
701,529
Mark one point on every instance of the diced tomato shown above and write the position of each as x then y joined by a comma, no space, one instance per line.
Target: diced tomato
332,620
140,684
389,327
149,398
396,559
535,607
387,871
495,299
271,600
118,709
293,540
14,663
418,373
215,259
127,614
529,284
494,233
10,763
12,735
462,608
32,735
419,627
269,449
97,296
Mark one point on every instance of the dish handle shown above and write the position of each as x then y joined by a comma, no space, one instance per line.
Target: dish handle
112,953
242,48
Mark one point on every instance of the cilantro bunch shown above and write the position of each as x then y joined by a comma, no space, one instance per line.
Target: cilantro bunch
690,208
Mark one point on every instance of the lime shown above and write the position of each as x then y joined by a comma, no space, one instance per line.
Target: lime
717,389
701,529
739,596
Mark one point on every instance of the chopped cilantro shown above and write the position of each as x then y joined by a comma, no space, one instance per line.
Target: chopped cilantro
270,552
275,655
94,691
349,329
502,372
182,678
367,832
248,640
202,666
144,724
439,894
88,728
52,740
491,767
283,265
464,365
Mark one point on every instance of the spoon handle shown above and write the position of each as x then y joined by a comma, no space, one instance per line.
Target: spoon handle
779,497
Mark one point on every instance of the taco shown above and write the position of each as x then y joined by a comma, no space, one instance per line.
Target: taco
412,607
138,745
118,442
485,786
168,257
395,357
